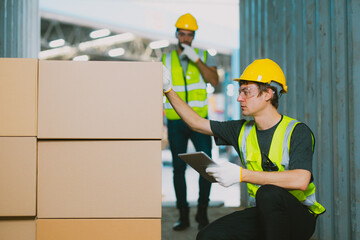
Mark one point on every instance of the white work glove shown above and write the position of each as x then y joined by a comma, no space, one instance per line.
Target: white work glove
166,80
225,173
190,53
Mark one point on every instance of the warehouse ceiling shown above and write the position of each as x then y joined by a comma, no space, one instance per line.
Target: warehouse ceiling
135,30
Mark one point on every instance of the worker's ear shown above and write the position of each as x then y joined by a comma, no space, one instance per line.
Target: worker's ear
269,94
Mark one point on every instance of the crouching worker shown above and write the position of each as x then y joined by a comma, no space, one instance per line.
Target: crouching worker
276,152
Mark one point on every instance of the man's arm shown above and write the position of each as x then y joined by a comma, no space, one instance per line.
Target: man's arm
188,115
228,173
297,179
209,73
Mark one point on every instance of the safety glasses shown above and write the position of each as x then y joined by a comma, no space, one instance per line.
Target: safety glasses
187,34
248,92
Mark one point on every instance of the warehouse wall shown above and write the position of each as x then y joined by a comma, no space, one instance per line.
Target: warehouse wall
19,28
317,43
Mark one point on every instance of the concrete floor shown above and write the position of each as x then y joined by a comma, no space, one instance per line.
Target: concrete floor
170,216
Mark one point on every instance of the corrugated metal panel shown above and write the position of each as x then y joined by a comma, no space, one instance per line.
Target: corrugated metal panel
353,11
19,28
317,43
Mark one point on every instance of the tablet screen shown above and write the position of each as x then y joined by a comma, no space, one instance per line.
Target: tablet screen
199,161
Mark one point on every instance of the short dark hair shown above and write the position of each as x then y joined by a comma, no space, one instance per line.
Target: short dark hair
264,87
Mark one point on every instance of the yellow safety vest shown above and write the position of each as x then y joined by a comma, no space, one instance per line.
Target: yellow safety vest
250,155
191,88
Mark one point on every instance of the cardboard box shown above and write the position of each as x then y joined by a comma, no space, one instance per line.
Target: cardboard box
17,176
18,97
17,229
100,100
104,229
99,179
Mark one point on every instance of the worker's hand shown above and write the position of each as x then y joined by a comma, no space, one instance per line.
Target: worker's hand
166,80
190,53
225,173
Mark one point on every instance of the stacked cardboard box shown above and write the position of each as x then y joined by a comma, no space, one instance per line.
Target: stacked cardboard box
99,150
18,130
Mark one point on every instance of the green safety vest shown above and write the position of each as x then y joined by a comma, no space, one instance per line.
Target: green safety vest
250,155
191,88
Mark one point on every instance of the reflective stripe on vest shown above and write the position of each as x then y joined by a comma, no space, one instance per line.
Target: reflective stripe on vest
250,155
195,85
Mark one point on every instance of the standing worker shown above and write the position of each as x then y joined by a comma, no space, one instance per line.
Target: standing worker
276,152
191,69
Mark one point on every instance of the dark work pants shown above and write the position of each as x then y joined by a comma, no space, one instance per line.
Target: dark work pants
179,134
277,215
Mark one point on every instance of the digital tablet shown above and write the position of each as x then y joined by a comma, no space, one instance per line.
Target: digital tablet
199,161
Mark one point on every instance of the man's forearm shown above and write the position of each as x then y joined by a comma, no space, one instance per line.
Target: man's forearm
208,73
297,179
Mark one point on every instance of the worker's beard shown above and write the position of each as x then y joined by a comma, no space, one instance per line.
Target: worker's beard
181,47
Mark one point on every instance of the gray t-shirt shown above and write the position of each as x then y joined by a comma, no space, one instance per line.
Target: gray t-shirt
300,152
184,61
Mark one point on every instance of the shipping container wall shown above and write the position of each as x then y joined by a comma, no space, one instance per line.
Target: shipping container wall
19,28
317,44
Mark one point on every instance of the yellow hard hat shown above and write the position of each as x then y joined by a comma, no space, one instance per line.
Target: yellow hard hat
264,71
187,22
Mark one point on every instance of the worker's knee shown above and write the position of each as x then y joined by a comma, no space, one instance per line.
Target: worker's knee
179,169
208,234
179,173
268,194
